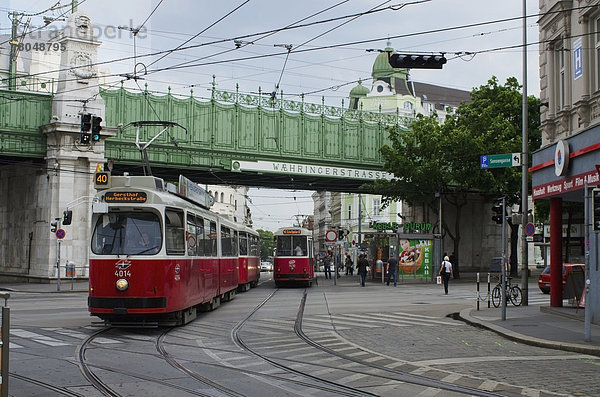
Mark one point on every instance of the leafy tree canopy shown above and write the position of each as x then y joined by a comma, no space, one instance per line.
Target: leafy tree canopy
266,243
433,157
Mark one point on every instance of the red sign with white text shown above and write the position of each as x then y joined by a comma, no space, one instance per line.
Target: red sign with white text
570,184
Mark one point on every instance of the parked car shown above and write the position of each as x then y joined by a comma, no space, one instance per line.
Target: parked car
544,278
266,266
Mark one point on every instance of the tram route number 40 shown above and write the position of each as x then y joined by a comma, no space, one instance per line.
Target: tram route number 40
102,180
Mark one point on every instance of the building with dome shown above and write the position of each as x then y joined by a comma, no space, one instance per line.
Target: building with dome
392,91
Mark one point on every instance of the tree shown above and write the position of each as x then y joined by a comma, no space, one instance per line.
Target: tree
266,243
444,158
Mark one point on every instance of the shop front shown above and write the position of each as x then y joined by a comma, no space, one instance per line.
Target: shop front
560,173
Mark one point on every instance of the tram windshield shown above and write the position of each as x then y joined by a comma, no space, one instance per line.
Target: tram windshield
291,246
127,233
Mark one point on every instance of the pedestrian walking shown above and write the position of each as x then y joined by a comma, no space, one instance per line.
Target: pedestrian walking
349,265
446,272
326,265
392,269
362,266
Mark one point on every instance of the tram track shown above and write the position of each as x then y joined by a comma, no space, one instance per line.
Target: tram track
395,374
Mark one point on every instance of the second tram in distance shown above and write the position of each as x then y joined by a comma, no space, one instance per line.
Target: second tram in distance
293,264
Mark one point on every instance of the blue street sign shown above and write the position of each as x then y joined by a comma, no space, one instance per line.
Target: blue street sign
484,162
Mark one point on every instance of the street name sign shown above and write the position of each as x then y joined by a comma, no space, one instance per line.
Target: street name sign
500,160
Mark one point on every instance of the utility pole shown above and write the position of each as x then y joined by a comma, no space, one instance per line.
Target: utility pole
14,50
524,172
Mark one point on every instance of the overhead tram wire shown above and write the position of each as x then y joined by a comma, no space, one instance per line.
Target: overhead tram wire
199,33
268,34
392,7
42,27
314,49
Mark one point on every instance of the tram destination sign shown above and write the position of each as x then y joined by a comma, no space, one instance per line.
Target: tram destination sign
125,197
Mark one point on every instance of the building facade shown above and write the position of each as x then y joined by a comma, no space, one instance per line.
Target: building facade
569,158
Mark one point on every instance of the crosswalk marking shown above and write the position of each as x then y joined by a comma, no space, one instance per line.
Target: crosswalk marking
45,340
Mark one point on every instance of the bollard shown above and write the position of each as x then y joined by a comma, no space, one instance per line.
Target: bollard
478,295
488,295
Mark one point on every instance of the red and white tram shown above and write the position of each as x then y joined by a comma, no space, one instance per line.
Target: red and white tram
293,263
158,253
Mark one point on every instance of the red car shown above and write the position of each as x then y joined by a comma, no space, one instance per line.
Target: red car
544,278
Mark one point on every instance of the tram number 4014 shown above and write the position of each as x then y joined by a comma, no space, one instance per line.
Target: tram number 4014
122,273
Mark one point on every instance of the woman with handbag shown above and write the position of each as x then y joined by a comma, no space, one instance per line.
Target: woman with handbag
446,272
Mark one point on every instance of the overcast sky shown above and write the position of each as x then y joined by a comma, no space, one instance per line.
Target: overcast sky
325,60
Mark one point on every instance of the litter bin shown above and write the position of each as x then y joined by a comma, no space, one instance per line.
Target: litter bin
70,269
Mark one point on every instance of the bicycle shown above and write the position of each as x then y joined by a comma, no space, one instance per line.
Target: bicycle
513,293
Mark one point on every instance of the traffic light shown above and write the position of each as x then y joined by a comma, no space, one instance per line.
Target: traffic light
67,216
96,128
340,234
415,61
86,125
498,210
53,226
596,210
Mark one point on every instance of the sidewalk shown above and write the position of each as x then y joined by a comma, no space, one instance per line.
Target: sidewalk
66,285
561,328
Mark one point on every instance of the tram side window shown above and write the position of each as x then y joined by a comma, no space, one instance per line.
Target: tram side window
235,251
191,235
200,237
243,244
284,245
299,244
212,246
255,246
226,247
175,232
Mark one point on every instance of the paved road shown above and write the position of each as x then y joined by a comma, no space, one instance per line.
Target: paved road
405,328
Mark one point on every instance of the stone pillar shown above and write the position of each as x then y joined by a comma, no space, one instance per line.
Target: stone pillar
71,164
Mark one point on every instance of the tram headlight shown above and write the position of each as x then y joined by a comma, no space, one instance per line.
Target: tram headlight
122,284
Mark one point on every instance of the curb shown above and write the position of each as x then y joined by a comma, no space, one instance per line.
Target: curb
465,315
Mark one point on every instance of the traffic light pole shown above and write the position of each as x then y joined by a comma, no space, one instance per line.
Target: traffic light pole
524,172
587,319
59,221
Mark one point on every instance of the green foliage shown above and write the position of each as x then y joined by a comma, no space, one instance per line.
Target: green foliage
434,157
266,243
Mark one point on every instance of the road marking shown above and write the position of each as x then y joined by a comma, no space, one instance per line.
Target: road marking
464,360
45,340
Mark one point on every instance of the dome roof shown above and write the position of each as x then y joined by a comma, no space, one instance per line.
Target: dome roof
359,90
382,67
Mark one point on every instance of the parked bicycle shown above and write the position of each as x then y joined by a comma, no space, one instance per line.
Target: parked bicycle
513,293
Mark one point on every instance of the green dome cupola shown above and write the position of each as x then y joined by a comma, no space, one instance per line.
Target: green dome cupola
382,68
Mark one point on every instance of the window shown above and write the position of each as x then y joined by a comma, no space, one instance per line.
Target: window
299,243
127,234
376,206
597,52
243,244
284,245
408,105
229,242
191,235
560,78
175,234
349,212
211,241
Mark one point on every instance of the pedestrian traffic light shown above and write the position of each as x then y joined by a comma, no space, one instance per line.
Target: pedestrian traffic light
415,61
53,226
596,210
86,125
67,216
96,128
498,210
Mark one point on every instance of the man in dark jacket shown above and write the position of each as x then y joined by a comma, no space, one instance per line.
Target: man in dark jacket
392,268
361,266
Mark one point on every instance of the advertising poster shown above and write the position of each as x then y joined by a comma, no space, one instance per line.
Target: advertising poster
415,257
